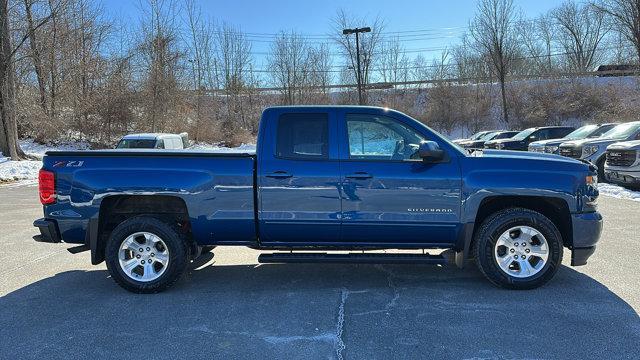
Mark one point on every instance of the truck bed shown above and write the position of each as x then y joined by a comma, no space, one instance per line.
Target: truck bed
217,188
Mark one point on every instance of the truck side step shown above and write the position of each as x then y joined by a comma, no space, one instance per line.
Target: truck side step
357,258
78,249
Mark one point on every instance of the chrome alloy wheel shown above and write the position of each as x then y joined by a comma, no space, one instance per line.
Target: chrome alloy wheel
521,251
143,256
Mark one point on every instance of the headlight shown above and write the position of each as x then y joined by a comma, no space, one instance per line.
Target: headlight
589,150
551,149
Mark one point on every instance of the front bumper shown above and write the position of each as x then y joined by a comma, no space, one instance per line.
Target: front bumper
622,177
48,231
587,228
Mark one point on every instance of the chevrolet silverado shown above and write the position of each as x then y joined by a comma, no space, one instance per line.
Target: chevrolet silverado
327,184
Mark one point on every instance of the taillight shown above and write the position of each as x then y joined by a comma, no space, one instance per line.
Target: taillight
47,187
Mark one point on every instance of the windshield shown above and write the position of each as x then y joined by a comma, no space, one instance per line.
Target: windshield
523,134
478,135
622,131
582,132
601,130
487,136
136,144
505,135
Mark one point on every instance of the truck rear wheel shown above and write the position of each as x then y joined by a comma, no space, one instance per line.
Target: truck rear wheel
518,248
146,255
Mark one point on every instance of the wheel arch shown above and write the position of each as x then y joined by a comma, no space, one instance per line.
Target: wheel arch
554,208
115,209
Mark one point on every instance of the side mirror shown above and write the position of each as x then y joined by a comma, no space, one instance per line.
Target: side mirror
430,151
533,138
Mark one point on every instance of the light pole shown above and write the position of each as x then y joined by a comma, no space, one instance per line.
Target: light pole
357,31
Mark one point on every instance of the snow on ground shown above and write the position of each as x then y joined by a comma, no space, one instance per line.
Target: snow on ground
618,192
28,170
215,147
32,148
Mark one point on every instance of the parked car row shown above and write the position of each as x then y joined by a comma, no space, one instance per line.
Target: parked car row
614,148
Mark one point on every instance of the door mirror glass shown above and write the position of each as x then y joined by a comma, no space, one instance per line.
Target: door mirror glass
430,151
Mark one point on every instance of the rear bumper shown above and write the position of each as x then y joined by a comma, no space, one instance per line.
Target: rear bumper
587,228
48,231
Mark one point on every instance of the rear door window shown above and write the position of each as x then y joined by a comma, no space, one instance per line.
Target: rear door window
303,136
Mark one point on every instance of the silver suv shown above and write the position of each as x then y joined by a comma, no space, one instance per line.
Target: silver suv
593,150
623,163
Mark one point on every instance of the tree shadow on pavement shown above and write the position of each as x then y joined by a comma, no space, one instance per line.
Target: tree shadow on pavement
318,311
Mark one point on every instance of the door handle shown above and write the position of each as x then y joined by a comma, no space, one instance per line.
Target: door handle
360,175
279,175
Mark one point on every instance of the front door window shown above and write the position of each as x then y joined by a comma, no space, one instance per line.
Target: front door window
380,138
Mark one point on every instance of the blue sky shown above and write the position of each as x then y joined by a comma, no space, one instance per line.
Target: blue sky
446,19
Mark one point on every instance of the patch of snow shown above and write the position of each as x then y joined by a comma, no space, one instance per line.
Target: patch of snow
216,147
19,170
27,170
32,148
618,192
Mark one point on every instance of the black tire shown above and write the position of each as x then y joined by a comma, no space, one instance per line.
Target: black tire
179,253
494,226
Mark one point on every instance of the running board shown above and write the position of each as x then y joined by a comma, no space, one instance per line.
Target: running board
351,258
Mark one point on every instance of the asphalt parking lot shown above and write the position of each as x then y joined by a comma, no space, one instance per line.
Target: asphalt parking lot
56,305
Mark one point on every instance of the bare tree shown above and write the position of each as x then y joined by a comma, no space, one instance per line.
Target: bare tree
160,55
36,55
320,65
201,58
369,45
537,37
625,15
394,63
581,30
289,64
494,32
8,124
234,64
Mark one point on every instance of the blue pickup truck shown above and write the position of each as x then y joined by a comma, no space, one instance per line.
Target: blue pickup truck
324,179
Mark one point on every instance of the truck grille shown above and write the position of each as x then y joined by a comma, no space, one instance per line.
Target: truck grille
571,152
621,157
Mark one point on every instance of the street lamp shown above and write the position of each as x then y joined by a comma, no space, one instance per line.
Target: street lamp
357,31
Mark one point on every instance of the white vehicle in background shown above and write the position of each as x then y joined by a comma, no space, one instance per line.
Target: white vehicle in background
593,150
154,141
623,163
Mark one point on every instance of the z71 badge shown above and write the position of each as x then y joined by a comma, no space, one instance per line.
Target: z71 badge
73,164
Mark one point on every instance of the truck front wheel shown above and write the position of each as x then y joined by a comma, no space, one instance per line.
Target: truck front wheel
518,248
146,255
